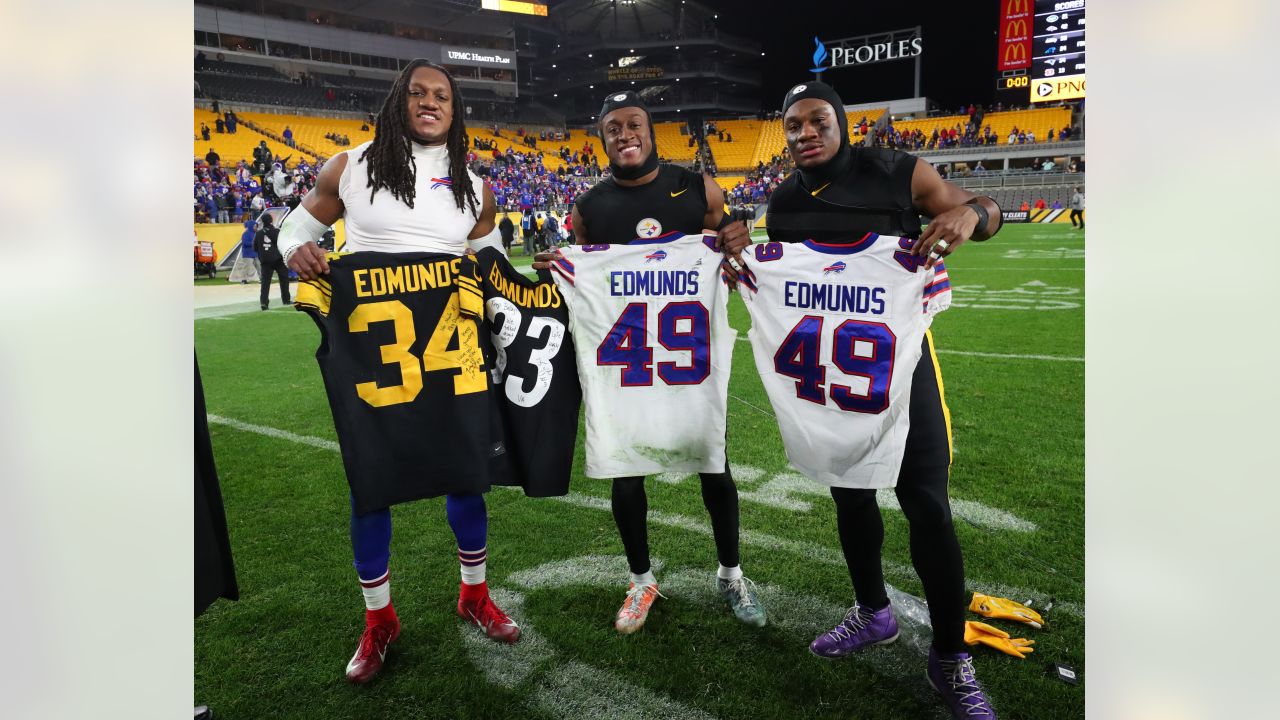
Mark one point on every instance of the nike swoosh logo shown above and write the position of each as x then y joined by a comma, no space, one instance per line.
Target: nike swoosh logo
678,194
815,192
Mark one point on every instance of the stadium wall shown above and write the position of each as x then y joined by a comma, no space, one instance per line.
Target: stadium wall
225,236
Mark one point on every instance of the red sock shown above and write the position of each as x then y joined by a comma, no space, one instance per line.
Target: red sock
472,593
381,616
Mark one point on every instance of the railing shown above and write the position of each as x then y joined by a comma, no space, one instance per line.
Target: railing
1070,147
1019,179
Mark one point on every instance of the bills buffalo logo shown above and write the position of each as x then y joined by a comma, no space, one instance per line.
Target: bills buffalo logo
835,267
656,256
648,228
441,182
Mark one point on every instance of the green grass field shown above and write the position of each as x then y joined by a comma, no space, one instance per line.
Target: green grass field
1011,349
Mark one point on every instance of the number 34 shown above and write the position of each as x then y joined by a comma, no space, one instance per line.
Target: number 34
436,356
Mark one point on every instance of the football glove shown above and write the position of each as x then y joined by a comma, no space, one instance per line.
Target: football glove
1005,609
977,633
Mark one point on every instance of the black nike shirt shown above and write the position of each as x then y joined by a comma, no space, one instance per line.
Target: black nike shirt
675,200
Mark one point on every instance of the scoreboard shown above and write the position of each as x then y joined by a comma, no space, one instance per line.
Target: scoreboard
1041,49
515,6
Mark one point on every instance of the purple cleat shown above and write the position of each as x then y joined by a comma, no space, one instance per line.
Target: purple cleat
859,629
953,677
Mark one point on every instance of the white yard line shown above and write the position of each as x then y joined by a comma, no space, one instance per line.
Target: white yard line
812,551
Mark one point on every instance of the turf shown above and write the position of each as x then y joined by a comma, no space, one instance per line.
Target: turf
1018,426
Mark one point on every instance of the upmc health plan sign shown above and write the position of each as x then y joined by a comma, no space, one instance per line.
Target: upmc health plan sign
475,56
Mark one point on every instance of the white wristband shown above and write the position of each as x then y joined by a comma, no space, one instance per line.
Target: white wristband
299,227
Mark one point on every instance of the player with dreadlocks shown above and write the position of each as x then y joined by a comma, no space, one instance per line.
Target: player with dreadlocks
406,191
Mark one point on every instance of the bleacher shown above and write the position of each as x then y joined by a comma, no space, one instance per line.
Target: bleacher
673,145
234,148
736,154
310,131
279,90
1039,120
728,182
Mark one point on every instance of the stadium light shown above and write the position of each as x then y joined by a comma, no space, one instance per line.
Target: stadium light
553,65
590,55
592,87
555,94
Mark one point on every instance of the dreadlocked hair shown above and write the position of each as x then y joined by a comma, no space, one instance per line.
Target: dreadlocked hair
390,156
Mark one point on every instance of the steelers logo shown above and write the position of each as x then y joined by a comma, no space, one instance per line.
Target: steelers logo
619,97
799,89
648,228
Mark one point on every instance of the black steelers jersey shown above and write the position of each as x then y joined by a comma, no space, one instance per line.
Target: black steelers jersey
405,374
674,202
535,379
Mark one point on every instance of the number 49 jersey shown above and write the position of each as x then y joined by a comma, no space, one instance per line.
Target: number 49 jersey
654,346
836,332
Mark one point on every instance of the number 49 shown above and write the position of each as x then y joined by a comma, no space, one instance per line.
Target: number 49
860,349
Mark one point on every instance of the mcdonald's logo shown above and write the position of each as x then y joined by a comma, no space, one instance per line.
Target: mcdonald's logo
1015,7
1015,30
1015,53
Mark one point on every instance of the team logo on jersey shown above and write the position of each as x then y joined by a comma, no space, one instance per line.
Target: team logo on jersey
655,256
648,228
441,182
836,267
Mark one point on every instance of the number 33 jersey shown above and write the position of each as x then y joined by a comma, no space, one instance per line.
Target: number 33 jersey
402,365
836,332
654,346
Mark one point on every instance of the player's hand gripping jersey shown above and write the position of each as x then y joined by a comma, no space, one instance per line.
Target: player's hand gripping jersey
654,348
534,378
836,332
402,365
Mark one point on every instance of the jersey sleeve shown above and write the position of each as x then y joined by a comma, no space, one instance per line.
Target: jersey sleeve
937,291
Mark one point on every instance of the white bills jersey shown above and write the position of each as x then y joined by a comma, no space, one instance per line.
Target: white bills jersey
836,332
654,346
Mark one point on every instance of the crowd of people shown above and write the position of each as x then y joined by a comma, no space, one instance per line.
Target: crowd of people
223,195
760,183
521,181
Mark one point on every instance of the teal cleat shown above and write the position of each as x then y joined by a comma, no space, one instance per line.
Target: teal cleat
742,598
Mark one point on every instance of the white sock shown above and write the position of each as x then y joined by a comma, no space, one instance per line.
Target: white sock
646,578
473,563
377,592
729,573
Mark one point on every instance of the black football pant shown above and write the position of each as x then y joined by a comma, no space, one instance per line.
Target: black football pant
282,271
631,509
922,492
1077,215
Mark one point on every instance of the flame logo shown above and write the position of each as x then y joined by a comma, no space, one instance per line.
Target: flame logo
819,56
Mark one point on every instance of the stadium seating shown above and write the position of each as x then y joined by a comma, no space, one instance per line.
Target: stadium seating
728,182
736,154
310,131
233,148
673,145
1039,120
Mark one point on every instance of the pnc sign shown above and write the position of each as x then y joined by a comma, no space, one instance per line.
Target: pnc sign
1068,87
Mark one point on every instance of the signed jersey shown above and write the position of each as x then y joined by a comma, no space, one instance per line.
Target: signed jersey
534,378
402,365
836,332
654,346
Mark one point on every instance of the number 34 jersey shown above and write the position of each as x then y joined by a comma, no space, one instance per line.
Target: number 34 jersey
402,365
654,346
836,332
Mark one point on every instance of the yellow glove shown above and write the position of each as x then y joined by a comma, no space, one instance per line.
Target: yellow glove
981,633
1005,609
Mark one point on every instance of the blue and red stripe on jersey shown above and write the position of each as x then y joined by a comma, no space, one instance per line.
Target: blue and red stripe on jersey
842,249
